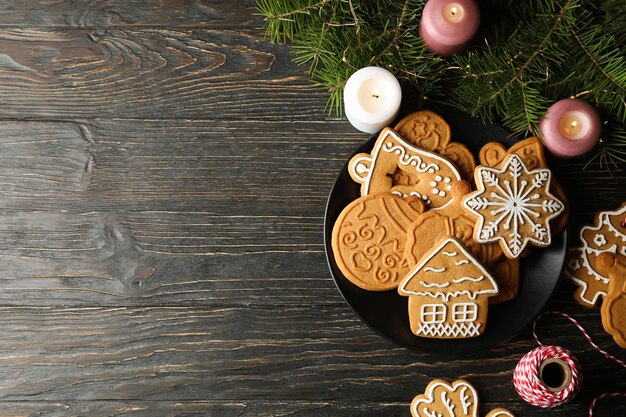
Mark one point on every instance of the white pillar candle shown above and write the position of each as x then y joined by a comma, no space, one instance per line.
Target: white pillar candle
372,98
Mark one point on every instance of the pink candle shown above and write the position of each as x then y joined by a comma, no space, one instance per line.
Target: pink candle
570,128
447,26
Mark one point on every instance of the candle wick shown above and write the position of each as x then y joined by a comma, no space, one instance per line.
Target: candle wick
453,11
375,93
574,123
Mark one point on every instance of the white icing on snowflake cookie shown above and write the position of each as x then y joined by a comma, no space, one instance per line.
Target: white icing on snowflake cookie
513,205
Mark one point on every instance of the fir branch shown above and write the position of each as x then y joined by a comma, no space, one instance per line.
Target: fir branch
610,65
537,50
527,55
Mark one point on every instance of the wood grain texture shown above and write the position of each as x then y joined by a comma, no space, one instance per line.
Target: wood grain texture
254,353
163,178
216,166
151,73
244,167
149,258
256,409
166,13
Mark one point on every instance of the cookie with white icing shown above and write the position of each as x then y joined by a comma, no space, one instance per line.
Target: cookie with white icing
513,206
427,130
396,166
448,293
456,399
531,150
453,221
369,237
614,305
607,234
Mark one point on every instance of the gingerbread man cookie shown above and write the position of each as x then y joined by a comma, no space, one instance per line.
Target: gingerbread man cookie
369,237
427,130
607,234
513,206
614,305
448,292
453,221
395,166
531,151
457,399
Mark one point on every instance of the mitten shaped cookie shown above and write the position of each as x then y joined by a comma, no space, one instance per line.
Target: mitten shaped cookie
396,166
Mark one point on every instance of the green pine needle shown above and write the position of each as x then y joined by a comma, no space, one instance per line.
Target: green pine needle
526,56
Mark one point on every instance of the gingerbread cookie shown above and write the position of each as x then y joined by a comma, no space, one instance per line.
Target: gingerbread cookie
453,221
513,206
499,412
614,305
395,166
606,235
427,130
531,151
459,399
369,237
448,291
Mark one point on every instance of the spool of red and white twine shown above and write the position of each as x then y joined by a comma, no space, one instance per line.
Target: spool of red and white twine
549,376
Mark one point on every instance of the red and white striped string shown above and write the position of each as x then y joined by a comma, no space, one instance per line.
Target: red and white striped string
526,376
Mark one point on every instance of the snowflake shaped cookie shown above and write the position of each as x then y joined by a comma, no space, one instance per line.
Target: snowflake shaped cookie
513,206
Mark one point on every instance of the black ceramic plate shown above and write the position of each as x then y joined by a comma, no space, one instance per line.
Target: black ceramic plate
386,311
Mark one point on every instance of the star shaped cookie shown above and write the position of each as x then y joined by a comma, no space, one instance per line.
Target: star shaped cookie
513,205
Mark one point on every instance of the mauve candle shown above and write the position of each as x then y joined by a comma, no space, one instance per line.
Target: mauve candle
570,127
447,26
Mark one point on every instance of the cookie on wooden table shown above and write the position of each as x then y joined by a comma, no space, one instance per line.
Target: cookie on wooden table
607,234
456,399
614,304
369,237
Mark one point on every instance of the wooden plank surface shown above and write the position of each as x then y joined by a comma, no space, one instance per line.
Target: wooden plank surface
150,73
163,177
94,13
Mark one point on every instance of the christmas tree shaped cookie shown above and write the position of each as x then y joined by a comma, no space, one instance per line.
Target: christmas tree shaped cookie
448,293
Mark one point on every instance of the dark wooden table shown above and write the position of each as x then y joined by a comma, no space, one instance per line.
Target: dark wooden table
164,172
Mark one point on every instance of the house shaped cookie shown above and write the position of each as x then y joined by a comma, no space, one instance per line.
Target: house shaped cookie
448,293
